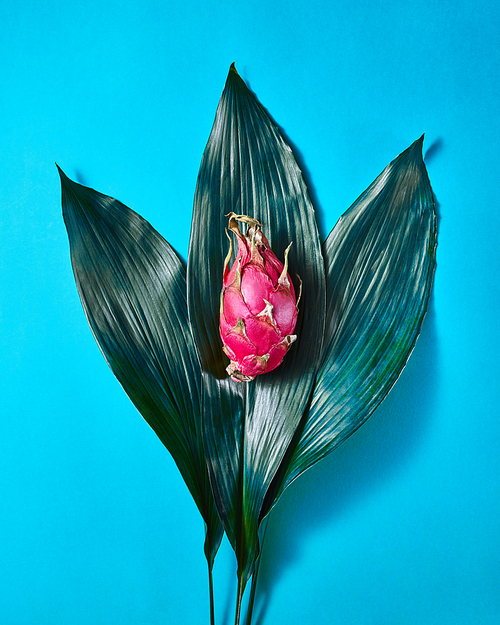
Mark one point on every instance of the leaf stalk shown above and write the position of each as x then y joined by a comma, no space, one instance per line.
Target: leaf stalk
211,592
238,599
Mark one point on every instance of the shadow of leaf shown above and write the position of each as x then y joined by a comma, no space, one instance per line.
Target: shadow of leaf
433,150
80,177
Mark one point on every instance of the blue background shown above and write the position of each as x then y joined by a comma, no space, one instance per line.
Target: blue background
400,525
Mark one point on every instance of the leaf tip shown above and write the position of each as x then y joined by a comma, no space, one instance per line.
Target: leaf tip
418,144
415,151
64,179
233,69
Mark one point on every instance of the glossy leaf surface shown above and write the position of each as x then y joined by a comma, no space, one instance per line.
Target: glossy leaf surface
248,168
133,289
380,260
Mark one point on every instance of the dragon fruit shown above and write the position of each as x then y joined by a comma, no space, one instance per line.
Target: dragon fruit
258,307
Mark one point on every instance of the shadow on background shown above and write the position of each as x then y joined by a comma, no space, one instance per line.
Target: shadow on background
80,177
374,453
433,150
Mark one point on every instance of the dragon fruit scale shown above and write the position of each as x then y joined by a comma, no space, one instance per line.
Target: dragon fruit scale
258,307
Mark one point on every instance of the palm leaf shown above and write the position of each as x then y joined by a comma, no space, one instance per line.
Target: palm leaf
380,260
248,168
132,286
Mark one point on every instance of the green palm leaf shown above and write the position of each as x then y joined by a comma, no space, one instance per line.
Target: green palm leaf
132,286
248,168
380,260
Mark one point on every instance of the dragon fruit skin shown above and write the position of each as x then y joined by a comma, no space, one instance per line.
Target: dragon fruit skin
258,307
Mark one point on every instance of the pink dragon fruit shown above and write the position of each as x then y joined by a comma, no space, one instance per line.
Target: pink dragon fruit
258,307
